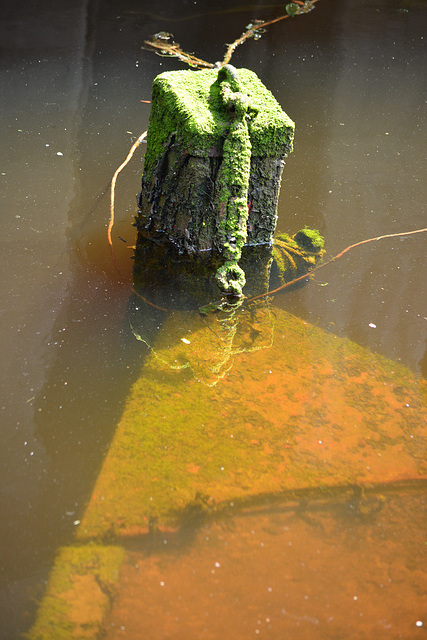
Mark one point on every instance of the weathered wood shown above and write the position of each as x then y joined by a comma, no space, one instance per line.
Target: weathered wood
215,154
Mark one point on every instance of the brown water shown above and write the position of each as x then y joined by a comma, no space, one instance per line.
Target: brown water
318,570
351,75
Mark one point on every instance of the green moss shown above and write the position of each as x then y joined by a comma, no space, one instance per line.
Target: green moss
78,594
225,115
310,240
234,184
188,104
287,414
231,278
297,254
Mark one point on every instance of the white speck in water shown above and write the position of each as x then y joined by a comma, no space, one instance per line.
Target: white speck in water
372,325
217,564
162,584
354,597
185,341
59,153
76,523
419,623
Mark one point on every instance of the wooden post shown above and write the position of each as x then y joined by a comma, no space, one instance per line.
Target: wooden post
216,146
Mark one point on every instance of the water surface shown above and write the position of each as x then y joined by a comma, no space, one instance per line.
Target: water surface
351,75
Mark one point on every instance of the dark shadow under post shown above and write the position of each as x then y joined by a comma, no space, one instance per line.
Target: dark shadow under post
216,145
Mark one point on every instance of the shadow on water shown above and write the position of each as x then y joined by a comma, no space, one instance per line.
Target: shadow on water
331,567
74,77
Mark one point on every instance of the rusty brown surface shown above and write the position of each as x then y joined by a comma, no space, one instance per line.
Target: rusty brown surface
349,568
294,407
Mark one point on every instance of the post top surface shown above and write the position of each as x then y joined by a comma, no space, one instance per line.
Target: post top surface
195,109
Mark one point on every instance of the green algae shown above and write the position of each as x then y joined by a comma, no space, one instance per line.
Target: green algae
310,240
298,254
79,593
215,148
233,184
311,410
189,103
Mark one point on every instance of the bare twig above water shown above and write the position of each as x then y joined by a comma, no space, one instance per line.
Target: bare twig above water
163,44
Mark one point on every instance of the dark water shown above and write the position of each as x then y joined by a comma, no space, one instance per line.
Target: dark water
352,76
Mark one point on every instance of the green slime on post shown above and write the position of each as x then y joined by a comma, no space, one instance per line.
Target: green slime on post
234,184
215,153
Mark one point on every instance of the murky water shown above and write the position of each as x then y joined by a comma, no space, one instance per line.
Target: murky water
324,570
351,75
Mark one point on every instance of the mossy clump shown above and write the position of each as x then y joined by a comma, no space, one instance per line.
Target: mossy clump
231,278
189,104
310,240
297,254
234,183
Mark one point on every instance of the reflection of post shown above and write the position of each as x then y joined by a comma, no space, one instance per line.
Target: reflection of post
204,343
215,154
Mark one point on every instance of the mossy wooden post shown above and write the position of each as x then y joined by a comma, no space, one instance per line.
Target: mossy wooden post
216,145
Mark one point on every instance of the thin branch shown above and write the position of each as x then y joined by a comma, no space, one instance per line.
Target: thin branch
339,255
113,187
311,273
162,47
163,44
260,25
148,302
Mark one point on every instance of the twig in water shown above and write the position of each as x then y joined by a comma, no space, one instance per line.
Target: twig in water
113,187
339,255
148,302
